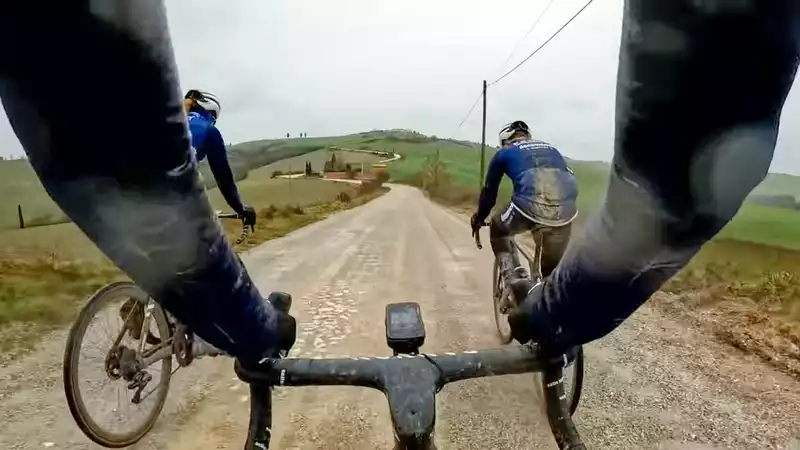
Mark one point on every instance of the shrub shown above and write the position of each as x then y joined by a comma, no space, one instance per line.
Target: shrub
268,212
381,175
349,171
343,197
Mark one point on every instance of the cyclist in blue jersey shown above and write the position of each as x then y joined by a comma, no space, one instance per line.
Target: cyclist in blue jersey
700,90
544,197
203,110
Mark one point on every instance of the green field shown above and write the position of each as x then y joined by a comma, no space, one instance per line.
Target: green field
20,186
66,242
256,161
769,225
318,158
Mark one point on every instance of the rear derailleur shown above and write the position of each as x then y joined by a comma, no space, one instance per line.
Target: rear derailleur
122,362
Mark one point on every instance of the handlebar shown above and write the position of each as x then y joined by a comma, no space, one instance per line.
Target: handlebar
245,233
410,383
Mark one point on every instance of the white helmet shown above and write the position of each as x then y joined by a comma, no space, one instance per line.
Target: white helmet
512,128
205,100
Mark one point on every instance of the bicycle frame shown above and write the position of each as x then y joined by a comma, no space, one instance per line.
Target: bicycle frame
165,349
535,260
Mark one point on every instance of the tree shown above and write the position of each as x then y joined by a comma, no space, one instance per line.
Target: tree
349,172
381,175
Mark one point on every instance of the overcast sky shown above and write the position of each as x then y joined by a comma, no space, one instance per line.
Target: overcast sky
329,67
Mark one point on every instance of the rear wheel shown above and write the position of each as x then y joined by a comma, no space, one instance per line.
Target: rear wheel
97,394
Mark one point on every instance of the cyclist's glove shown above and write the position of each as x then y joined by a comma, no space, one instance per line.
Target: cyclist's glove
248,217
529,321
286,329
474,223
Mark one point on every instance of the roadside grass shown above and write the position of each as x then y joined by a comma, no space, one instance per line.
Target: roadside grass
260,190
67,243
43,290
41,294
747,295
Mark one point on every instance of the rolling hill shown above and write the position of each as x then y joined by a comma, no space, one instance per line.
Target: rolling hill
760,223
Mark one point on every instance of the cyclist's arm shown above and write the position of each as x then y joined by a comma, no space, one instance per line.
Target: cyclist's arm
218,162
488,197
700,91
135,194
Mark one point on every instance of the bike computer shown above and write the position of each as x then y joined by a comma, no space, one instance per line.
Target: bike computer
405,331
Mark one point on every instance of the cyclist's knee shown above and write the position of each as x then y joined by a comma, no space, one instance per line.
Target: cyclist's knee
496,227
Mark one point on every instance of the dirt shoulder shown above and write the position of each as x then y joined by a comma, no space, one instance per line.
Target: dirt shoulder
739,322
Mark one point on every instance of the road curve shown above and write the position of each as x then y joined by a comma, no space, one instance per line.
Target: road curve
652,384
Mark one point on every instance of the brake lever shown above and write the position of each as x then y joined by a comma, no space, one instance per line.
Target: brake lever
243,235
476,234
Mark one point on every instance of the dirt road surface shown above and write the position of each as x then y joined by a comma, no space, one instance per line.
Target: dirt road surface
653,384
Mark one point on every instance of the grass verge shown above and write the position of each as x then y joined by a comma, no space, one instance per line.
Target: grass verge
744,301
40,294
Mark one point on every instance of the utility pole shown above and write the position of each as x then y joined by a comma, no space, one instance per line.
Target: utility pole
483,136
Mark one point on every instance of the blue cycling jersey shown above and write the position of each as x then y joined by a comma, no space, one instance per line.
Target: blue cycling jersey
207,142
544,186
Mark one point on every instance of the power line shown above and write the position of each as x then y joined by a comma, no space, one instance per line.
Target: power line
480,95
516,47
543,44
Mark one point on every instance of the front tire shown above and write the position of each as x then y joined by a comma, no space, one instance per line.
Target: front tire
500,317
